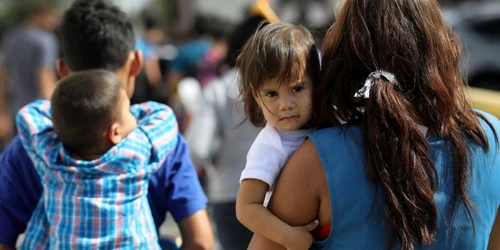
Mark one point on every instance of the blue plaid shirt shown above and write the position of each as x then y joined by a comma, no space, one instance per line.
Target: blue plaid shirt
98,204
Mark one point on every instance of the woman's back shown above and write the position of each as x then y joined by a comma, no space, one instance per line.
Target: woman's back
358,224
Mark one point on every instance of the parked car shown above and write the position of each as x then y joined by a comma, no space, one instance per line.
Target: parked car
484,99
478,26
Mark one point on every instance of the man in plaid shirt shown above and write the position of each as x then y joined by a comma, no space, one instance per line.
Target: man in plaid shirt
95,162
97,35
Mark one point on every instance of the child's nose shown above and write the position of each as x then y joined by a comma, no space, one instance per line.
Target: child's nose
286,103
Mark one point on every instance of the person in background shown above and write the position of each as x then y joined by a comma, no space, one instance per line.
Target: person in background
98,35
30,52
188,55
219,140
211,65
149,80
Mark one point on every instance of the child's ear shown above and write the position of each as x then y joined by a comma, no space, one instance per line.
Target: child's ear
113,133
255,95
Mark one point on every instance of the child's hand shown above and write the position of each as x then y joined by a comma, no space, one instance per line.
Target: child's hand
300,238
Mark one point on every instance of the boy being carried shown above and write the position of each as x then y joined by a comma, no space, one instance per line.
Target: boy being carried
95,154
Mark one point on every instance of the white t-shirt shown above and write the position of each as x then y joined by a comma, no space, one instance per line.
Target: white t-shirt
270,151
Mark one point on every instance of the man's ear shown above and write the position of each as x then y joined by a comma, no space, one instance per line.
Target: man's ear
137,63
113,133
62,68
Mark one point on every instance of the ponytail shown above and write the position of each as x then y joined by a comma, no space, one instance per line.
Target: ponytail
424,54
397,159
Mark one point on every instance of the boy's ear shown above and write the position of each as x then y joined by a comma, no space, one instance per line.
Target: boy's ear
113,133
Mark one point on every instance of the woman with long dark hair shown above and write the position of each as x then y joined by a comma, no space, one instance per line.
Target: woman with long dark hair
402,161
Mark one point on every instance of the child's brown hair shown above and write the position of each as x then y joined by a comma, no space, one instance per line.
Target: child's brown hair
278,51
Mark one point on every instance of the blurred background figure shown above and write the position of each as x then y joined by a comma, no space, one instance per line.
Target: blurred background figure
148,83
190,51
311,13
219,139
27,71
199,56
210,65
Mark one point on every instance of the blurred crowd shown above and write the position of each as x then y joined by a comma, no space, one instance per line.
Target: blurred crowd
30,49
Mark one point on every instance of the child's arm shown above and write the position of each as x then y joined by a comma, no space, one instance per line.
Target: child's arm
34,125
258,219
262,168
160,126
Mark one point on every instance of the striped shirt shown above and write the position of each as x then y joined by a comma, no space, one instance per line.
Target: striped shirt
99,204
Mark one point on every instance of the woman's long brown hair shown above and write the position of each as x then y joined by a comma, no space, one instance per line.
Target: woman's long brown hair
409,39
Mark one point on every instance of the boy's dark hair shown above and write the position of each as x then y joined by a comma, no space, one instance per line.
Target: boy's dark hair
84,105
96,35
278,51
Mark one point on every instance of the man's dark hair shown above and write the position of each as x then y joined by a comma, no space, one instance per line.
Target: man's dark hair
96,35
84,105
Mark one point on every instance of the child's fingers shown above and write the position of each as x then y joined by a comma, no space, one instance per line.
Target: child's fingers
311,226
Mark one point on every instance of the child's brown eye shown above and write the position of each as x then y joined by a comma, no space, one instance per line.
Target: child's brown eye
271,94
297,89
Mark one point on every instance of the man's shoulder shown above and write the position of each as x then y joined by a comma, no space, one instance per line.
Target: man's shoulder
20,182
15,150
15,161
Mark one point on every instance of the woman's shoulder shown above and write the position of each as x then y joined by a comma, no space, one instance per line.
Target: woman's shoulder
333,133
487,117
328,131
489,123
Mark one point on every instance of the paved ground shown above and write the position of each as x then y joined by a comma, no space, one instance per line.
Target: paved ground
170,228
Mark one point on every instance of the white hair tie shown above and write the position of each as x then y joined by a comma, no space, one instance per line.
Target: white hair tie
372,79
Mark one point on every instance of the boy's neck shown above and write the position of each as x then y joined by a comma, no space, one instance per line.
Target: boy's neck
86,157
92,155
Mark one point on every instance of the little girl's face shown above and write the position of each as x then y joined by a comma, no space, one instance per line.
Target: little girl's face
286,107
